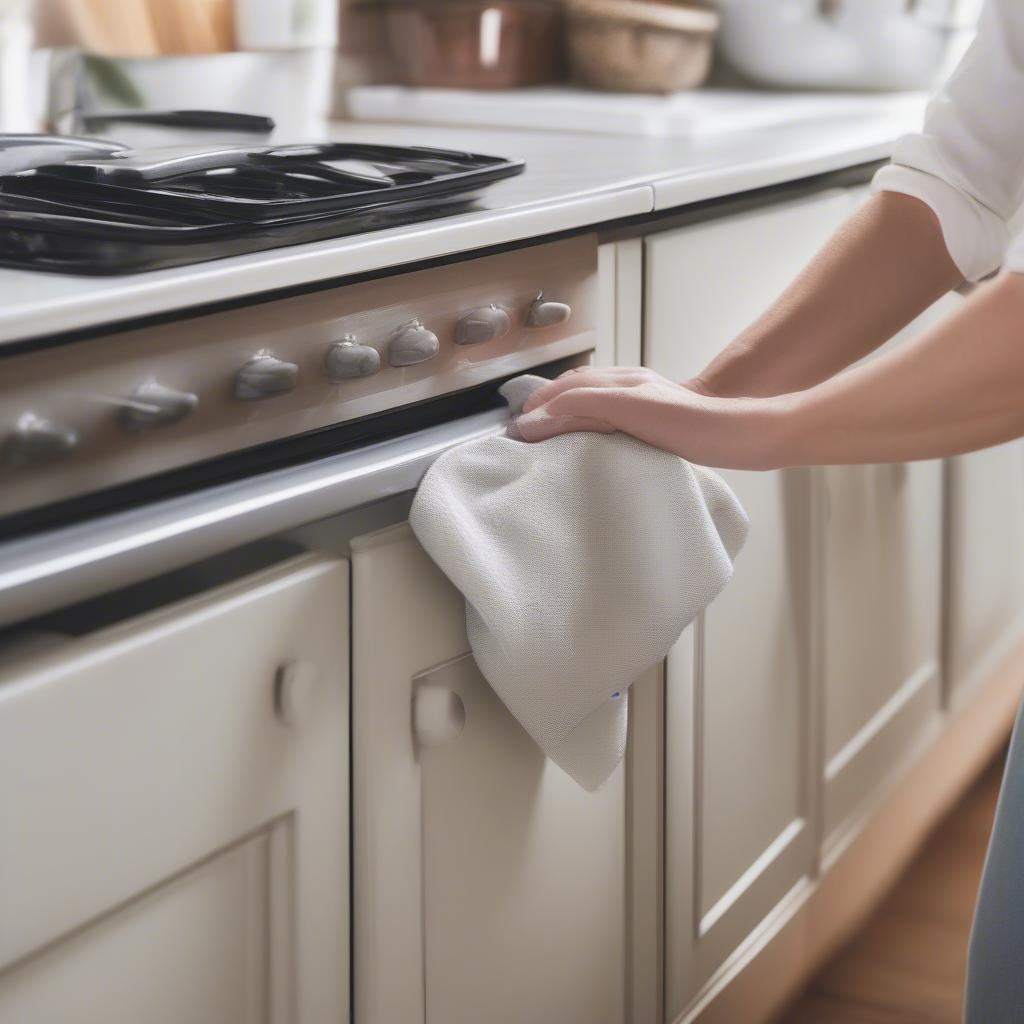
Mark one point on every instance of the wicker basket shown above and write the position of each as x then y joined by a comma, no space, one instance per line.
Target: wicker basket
635,46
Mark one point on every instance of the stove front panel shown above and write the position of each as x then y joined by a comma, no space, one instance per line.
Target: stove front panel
102,412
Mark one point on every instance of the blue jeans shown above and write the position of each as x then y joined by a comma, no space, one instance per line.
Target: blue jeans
995,963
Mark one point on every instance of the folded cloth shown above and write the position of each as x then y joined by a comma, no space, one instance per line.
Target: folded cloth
582,559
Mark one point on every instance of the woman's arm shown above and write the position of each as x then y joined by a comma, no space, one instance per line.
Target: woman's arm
956,388
883,268
941,217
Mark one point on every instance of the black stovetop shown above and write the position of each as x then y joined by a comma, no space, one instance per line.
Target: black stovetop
92,207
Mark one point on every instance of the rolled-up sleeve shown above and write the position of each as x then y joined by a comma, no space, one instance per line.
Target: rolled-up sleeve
967,163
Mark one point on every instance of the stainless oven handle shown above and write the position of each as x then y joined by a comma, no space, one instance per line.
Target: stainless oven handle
69,564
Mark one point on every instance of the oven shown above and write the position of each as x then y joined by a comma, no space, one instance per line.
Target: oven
249,769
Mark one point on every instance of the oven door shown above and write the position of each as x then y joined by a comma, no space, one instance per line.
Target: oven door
488,886
174,805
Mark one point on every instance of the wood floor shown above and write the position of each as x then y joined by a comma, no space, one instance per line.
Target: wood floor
906,965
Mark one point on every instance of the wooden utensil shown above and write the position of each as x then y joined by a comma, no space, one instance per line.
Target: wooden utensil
113,28
194,26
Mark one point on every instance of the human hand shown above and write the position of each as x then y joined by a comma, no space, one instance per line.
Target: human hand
722,432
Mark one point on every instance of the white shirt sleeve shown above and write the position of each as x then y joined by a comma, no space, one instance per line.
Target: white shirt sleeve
967,163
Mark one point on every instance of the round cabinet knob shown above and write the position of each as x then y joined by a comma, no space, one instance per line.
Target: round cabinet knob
295,692
265,376
438,715
487,323
544,313
36,440
153,405
413,344
348,360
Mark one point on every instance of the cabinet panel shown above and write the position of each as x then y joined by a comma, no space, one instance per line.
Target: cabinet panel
737,795
170,841
986,562
489,886
194,950
882,585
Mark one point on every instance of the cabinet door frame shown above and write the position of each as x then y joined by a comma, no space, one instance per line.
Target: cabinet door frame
707,944
415,916
155,748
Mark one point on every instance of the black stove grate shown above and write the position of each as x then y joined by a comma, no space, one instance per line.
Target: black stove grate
130,211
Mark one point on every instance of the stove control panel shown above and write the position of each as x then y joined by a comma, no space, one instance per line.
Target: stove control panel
125,406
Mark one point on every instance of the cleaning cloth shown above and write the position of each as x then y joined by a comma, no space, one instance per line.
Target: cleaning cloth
582,559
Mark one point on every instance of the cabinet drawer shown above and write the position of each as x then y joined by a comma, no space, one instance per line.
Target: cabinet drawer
173,847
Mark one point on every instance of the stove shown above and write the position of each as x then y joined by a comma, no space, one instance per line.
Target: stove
89,206
97,423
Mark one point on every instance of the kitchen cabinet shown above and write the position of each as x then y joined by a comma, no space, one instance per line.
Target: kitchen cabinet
175,833
739,701
881,646
881,578
985,585
488,885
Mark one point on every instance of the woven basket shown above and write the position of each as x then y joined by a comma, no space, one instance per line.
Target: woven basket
634,46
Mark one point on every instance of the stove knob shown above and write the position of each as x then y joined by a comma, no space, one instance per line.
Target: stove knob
544,313
37,440
348,360
265,376
153,405
487,323
413,344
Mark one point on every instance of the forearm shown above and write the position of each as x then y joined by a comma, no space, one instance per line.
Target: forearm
957,388
883,268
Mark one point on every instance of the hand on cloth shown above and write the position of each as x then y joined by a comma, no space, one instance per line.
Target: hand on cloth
684,419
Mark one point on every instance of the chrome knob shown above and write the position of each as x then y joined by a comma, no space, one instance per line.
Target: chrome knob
544,313
348,360
487,323
412,344
153,405
36,440
265,376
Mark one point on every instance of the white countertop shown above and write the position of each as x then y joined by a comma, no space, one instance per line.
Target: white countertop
572,181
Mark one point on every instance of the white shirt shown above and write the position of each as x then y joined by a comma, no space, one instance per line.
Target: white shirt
967,163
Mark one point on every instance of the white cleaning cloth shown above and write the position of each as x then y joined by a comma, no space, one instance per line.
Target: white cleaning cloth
582,559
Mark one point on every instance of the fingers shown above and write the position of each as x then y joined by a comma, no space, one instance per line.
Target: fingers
584,377
578,409
540,426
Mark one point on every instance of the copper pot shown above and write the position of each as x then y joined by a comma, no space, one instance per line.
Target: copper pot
466,44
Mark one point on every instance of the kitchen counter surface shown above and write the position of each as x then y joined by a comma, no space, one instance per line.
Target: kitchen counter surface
571,182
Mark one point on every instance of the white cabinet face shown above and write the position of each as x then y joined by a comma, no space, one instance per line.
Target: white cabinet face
882,585
738,745
488,885
173,849
986,562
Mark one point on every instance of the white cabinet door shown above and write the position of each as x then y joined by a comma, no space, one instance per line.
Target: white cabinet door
986,563
174,851
882,583
739,747
882,590
488,885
